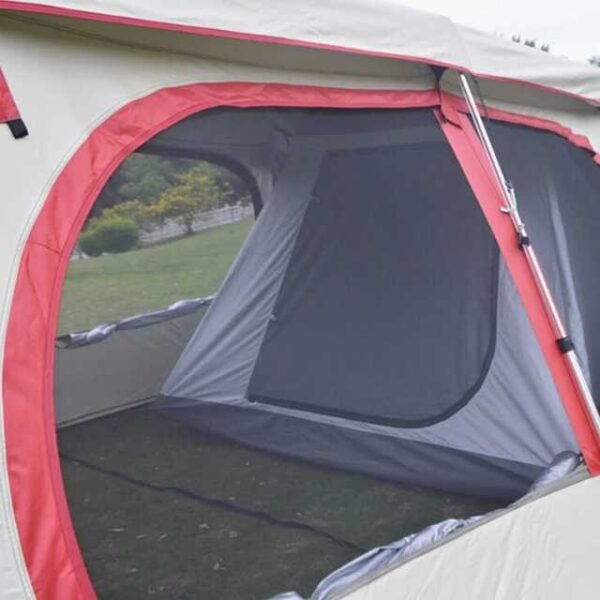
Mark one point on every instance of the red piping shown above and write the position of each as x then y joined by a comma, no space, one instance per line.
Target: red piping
8,106
40,8
576,139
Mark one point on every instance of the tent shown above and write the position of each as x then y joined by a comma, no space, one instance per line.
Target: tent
417,300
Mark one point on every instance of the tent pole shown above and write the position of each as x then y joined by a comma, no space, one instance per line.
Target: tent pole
511,208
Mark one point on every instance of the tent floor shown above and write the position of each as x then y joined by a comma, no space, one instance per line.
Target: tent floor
163,512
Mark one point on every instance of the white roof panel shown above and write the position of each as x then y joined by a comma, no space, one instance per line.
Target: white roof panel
384,28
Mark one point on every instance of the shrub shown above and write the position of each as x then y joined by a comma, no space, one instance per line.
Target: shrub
90,243
113,235
117,234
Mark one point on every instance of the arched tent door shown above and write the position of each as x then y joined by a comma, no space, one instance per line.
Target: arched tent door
47,538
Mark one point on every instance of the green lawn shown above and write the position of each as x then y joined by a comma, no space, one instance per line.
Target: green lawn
112,287
144,543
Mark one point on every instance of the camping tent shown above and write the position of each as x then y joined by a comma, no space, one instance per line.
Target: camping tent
388,313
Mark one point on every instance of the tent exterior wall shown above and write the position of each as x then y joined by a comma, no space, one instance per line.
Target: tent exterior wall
456,569
89,99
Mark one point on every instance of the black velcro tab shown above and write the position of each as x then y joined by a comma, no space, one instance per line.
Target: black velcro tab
18,128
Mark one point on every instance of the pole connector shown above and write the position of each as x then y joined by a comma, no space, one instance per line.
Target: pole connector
565,344
523,240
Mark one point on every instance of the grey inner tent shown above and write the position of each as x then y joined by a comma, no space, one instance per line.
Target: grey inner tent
369,322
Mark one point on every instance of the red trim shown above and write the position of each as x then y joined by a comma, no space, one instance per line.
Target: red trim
458,104
40,8
53,559
547,125
8,106
469,152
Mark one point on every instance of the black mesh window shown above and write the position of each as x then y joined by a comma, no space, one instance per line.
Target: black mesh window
387,310
558,189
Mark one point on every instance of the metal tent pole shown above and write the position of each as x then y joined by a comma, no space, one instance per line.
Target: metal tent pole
511,208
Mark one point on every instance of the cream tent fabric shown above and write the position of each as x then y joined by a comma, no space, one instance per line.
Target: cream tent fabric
384,28
72,65
541,550
316,37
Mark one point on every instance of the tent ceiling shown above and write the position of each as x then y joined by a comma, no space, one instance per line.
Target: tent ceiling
384,29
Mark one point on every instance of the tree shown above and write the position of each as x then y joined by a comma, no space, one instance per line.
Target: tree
142,177
149,189
145,215
595,60
198,190
145,177
531,43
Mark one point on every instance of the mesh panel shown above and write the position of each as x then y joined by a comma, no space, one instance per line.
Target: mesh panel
558,188
387,309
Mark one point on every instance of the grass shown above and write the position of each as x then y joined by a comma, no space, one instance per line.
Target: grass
141,543
111,287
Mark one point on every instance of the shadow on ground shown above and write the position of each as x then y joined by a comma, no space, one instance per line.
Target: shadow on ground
143,539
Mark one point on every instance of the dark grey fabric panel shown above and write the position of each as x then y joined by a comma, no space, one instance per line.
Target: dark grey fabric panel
357,451
387,309
558,188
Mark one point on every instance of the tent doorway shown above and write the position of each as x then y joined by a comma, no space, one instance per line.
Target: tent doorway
346,386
